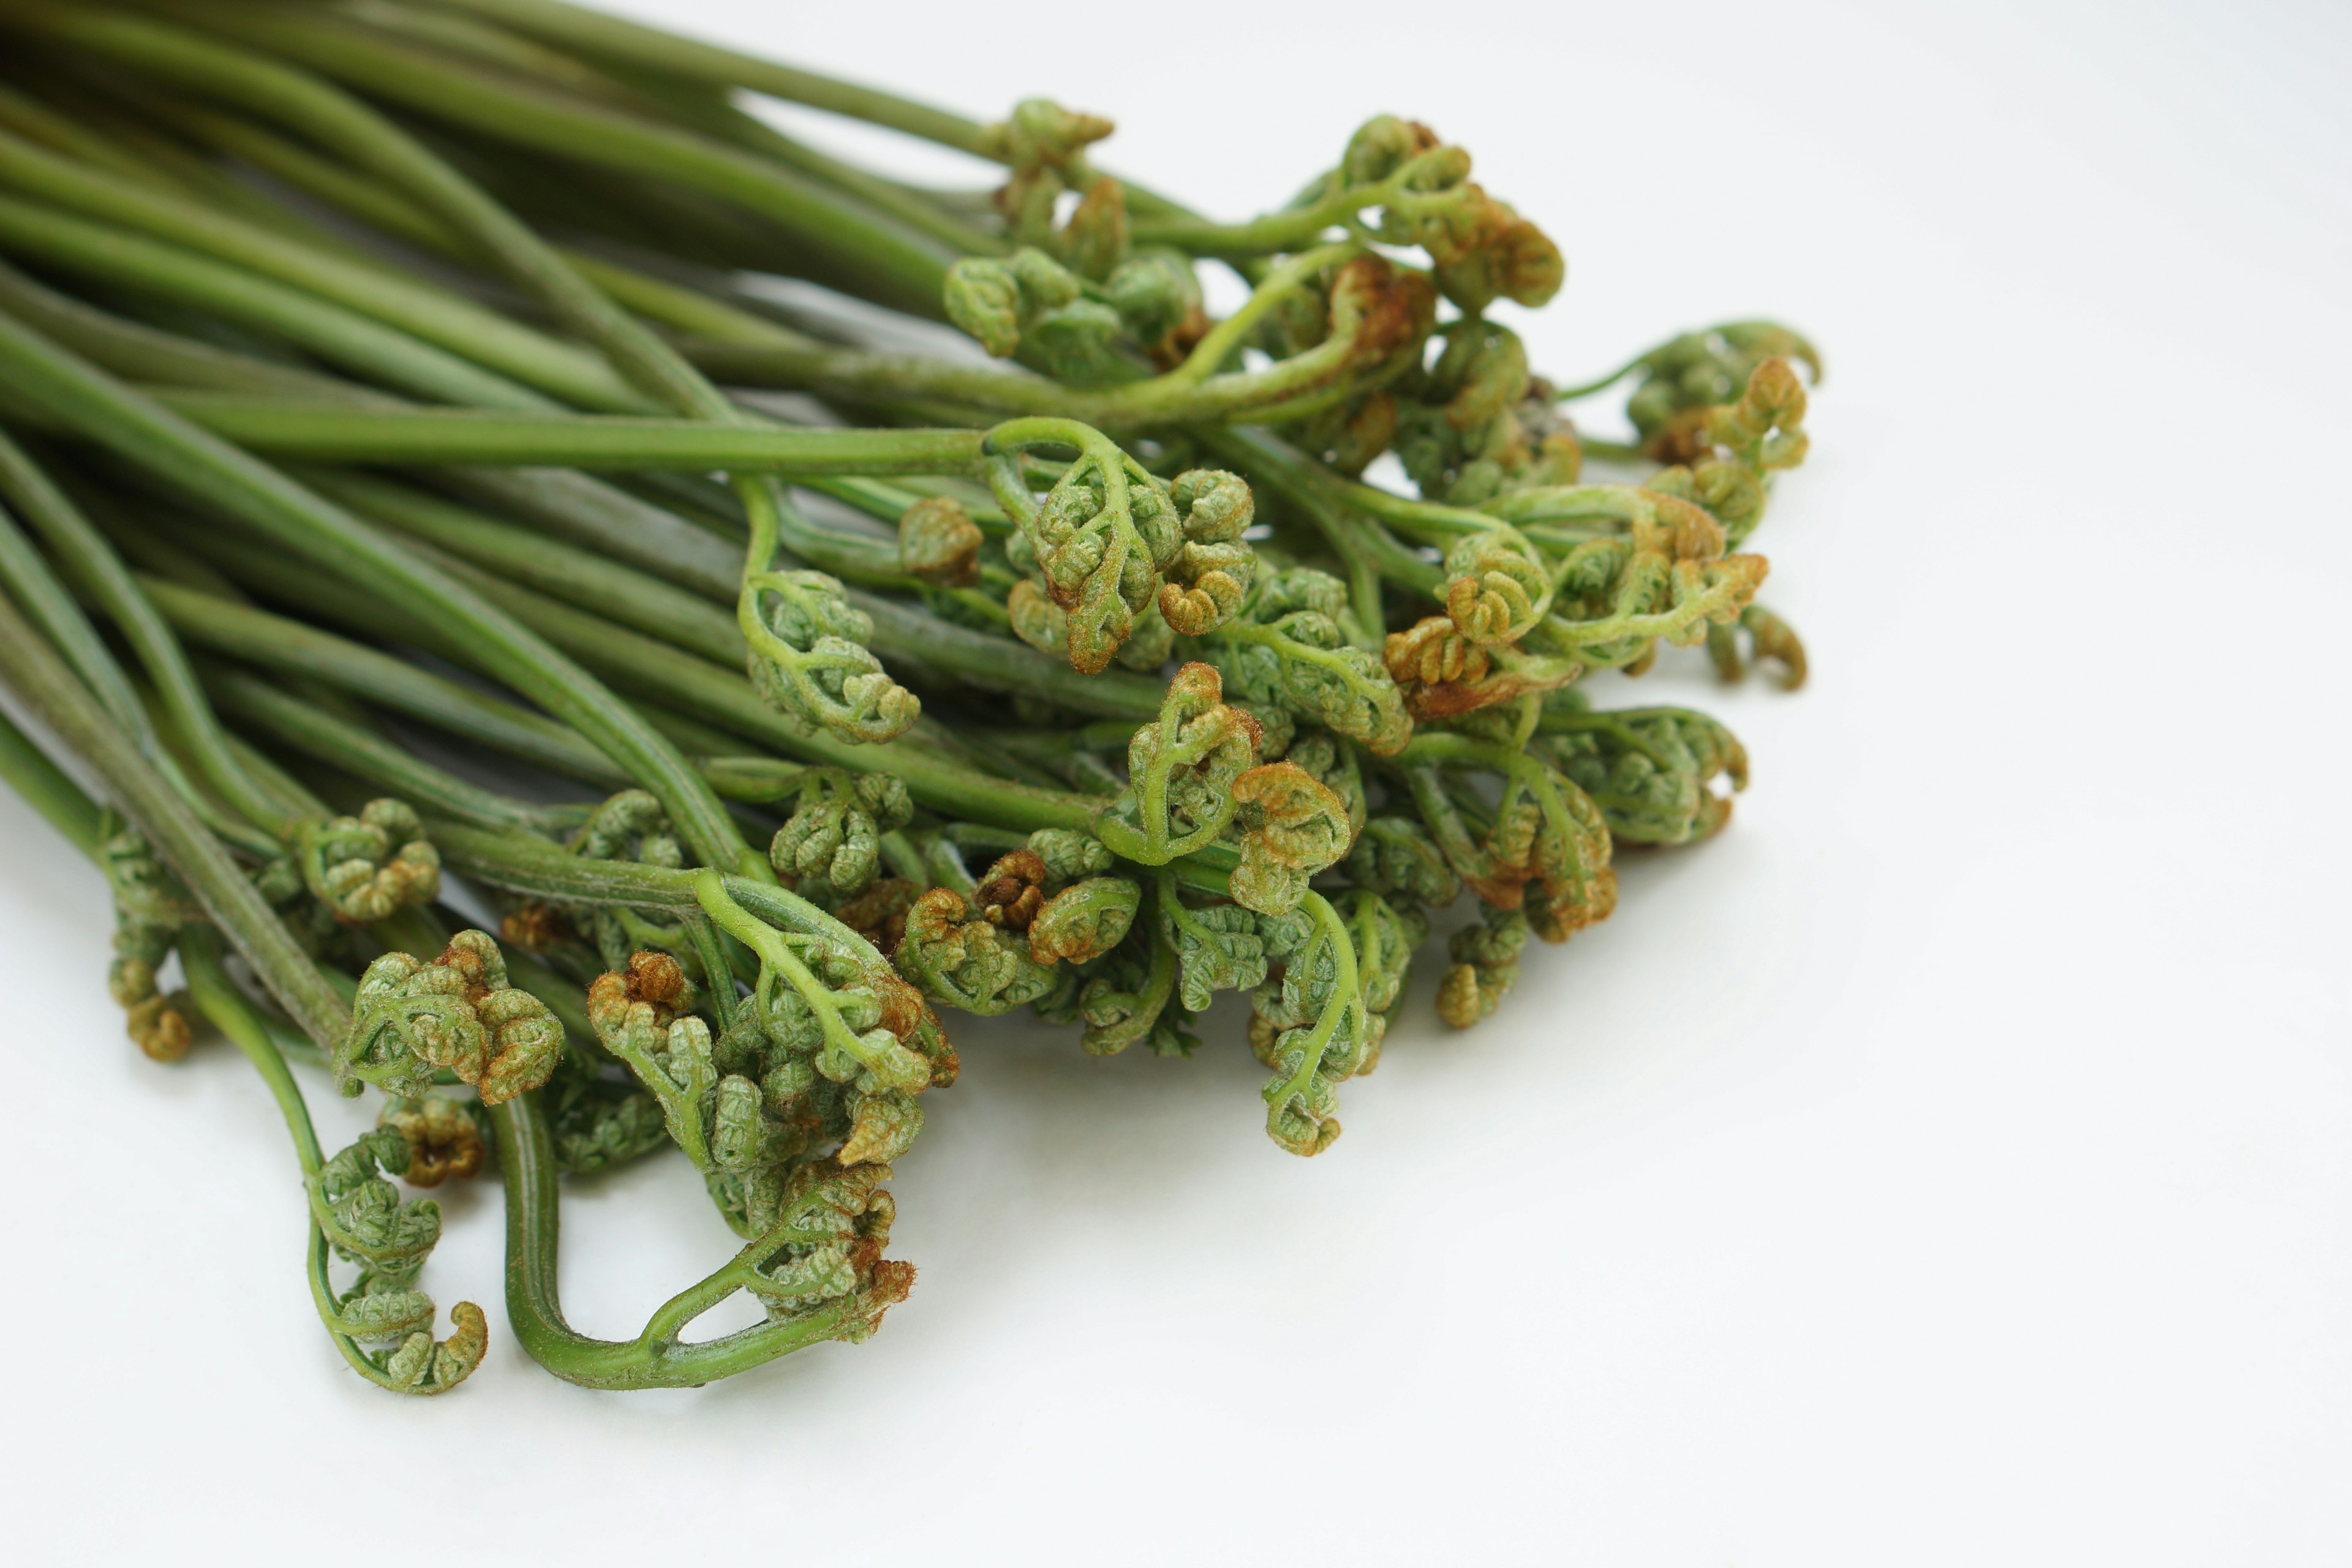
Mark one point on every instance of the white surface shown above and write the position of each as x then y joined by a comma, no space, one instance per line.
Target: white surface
1949,1164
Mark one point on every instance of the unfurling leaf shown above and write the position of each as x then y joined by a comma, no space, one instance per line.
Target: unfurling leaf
456,1013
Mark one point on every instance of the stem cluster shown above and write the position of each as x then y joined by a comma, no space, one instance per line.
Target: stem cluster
396,512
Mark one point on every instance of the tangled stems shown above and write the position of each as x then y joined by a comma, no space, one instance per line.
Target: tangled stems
906,268
34,670
1298,1107
310,431
428,315
805,644
159,441
1378,313
877,1046
346,339
101,577
657,1358
419,1365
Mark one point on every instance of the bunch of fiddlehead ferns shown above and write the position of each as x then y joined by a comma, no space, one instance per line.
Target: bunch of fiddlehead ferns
344,345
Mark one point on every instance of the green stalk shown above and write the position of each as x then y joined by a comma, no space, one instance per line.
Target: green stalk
620,527
609,37
444,320
137,351
519,555
524,863
29,118
333,119
314,431
657,1357
295,649
154,439
664,674
34,670
306,654
699,109
45,787
667,677
102,579
342,338
369,757
593,33
910,269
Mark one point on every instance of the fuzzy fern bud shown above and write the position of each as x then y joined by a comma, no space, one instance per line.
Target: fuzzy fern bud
365,867
938,543
456,1012
1181,770
1292,827
834,834
808,657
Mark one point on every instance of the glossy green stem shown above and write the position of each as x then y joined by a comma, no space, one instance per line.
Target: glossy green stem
95,568
155,439
368,756
36,674
346,339
436,316
44,785
657,1358
905,269
314,431
139,352
596,34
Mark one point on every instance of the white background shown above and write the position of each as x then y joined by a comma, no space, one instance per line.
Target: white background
1951,1163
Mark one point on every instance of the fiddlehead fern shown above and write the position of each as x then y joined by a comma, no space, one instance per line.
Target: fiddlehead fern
1126,1000
595,1124
1486,965
1315,1031
1291,826
1665,577
1395,856
1331,762
1475,425
1288,649
1497,588
362,1218
1218,947
1084,921
1104,535
1030,304
1043,144
975,960
808,656
443,1142
1769,636
833,840
833,1048
1648,769
938,543
1210,574
1684,381
149,908
1181,768
457,1012
364,868
1542,830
